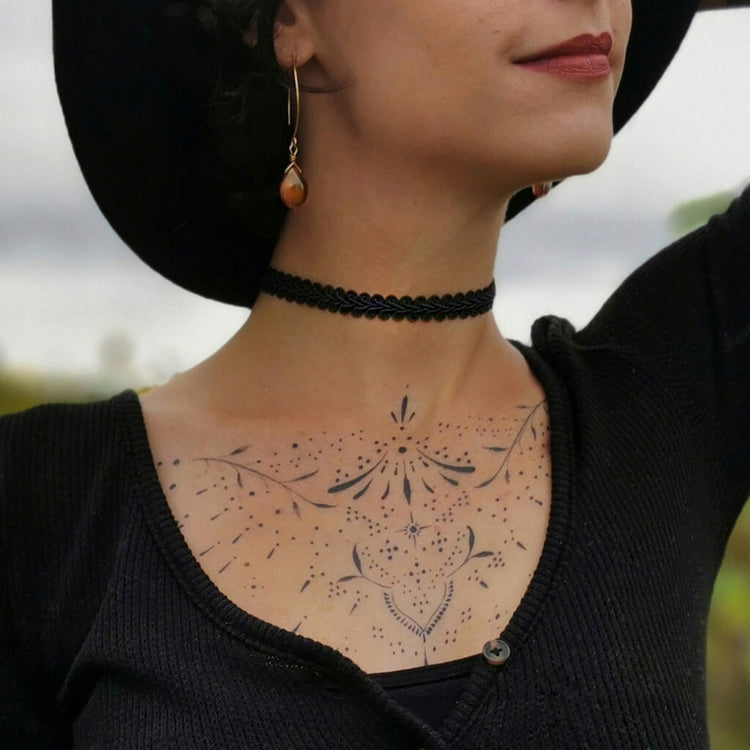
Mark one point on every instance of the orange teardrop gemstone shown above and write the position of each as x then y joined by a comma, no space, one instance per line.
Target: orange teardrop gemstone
293,189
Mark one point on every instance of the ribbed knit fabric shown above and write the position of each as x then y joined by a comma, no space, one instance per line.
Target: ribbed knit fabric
111,635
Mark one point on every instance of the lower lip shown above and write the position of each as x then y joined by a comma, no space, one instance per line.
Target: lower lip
574,67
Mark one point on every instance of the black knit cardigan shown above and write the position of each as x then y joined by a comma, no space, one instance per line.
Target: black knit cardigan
111,636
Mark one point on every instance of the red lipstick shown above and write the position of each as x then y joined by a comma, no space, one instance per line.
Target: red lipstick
583,58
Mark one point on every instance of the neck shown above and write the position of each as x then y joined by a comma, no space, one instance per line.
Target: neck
401,231
387,226
290,363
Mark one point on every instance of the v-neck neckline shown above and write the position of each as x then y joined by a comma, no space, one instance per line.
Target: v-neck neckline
285,645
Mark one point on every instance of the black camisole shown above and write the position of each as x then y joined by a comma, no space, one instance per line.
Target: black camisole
430,692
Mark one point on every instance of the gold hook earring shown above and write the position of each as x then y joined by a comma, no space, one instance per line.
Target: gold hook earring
293,188
541,189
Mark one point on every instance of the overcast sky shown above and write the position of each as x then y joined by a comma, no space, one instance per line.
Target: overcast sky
67,282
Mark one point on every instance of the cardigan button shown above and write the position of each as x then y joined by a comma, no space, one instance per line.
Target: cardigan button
496,652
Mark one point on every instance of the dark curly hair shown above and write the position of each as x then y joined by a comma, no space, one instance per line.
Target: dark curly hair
244,88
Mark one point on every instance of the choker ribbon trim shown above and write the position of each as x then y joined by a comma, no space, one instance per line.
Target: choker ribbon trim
311,293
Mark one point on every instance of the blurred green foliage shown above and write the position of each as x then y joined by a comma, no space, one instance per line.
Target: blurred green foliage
22,389
728,644
689,216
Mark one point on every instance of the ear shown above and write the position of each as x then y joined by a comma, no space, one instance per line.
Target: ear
294,34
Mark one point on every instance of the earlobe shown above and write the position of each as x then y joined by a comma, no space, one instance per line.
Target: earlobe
293,34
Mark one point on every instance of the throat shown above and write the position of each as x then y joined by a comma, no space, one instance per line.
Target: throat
293,360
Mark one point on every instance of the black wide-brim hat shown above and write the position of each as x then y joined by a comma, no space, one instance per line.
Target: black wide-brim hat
145,138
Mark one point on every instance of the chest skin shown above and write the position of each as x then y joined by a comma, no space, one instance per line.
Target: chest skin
396,546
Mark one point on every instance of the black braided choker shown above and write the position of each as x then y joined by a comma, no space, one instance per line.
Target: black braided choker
311,293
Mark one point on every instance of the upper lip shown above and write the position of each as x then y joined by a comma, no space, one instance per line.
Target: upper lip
585,44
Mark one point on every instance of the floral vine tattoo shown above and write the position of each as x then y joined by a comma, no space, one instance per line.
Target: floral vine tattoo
425,627
527,424
402,466
424,520
267,479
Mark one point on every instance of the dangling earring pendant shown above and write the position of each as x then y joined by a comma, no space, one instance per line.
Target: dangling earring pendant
293,188
540,189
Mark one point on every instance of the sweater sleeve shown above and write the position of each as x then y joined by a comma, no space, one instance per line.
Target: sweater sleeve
25,722
60,489
684,317
27,715
728,271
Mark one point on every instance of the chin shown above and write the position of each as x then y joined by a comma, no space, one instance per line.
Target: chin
588,159
569,151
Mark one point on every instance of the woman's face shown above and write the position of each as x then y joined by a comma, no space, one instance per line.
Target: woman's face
441,79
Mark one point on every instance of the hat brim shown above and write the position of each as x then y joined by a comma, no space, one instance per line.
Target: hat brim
140,138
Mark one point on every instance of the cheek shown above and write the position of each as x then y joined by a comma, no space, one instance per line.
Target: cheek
622,24
412,52
400,90
434,88
426,82
624,15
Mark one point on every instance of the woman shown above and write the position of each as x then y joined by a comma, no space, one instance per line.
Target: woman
389,528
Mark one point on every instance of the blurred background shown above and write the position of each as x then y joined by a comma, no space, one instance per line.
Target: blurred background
81,317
